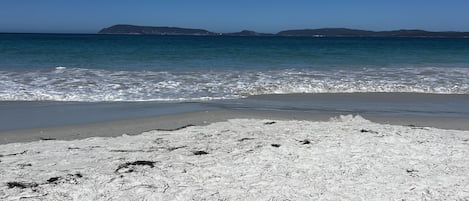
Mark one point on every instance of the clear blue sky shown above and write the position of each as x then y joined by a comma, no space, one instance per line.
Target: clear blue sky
88,16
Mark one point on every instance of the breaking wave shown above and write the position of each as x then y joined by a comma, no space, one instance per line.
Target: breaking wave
94,85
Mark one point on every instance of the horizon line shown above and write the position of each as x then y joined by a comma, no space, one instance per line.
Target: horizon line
274,33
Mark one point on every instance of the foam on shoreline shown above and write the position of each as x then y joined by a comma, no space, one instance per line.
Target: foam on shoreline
347,158
96,85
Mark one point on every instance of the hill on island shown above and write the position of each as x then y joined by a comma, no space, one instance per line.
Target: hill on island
148,30
324,32
343,32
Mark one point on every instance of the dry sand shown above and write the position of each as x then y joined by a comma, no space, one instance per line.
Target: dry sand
245,159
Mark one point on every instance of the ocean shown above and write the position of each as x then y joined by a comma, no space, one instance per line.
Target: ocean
224,71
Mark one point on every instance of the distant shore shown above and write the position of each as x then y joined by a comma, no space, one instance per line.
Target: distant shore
322,32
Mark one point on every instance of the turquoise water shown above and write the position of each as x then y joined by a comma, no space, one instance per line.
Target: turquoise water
94,68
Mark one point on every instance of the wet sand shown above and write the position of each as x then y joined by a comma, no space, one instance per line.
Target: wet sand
30,121
139,125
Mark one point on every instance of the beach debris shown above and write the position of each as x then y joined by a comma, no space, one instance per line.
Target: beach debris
246,138
1,155
275,145
412,172
47,138
416,127
175,129
175,148
160,141
23,185
270,123
151,164
152,149
53,179
166,187
25,165
127,151
200,153
305,141
69,178
368,131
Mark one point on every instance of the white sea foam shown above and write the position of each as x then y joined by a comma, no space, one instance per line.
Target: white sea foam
75,84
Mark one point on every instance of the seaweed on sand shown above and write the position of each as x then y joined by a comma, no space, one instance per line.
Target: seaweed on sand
175,129
151,164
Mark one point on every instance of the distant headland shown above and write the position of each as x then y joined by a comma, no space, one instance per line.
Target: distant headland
324,32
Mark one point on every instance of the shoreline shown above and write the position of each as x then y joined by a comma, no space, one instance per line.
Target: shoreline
31,121
137,126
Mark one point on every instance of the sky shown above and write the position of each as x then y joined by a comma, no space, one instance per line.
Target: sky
271,16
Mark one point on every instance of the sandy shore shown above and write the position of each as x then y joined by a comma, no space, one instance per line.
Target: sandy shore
249,150
245,159
139,125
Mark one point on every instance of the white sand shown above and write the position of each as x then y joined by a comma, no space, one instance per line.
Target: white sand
346,159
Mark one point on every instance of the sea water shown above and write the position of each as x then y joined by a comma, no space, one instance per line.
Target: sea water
96,68
57,79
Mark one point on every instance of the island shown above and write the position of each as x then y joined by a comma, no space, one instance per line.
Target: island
323,32
149,30
343,32
247,33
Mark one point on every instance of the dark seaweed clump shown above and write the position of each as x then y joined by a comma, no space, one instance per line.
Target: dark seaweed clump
275,145
151,164
200,152
15,184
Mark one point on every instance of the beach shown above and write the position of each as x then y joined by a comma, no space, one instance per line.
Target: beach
127,117
407,146
342,158
259,148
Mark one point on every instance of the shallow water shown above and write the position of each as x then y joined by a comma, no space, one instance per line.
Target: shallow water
95,68
61,79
